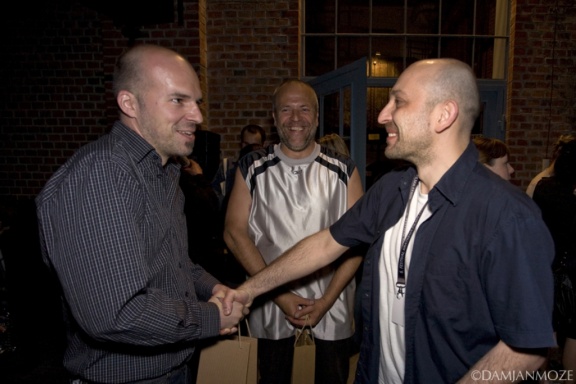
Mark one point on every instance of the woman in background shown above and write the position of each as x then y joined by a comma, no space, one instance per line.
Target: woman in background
556,198
335,143
494,154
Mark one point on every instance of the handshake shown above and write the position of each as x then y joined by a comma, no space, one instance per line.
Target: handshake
233,305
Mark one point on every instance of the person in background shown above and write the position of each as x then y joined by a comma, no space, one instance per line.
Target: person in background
281,194
113,230
555,195
335,143
202,209
223,182
549,171
494,154
252,137
457,279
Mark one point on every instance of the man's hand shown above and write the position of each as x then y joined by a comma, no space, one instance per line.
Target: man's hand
237,310
190,166
229,322
239,295
309,314
290,304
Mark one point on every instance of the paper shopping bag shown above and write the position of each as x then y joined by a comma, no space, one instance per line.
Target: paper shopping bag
304,364
230,360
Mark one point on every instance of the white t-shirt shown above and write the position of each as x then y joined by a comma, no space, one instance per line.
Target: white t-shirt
391,310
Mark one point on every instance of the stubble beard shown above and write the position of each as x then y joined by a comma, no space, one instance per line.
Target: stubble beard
415,150
284,139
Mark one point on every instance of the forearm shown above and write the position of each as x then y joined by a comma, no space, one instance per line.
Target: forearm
505,364
245,251
307,256
342,277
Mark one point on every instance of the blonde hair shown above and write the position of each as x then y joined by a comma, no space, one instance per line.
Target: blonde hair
335,143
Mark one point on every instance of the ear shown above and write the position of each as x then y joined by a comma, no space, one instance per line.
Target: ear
127,103
447,113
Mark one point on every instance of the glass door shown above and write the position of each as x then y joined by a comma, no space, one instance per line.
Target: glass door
342,103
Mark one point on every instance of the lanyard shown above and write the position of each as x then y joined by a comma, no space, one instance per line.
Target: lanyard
401,282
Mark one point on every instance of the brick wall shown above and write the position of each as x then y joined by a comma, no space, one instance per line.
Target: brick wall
55,82
51,92
251,46
57,60
542,86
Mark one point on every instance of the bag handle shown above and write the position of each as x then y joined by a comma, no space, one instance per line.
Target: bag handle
300,331
240,332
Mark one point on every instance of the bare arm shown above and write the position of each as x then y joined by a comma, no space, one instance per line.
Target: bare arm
502,362
343,274
308,255
236,228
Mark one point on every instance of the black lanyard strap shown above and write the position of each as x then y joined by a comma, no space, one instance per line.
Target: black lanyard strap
401,281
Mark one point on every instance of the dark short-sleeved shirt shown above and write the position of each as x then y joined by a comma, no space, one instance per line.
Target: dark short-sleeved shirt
113,230
480,271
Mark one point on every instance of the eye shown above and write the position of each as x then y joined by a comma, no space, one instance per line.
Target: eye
199,101
177,100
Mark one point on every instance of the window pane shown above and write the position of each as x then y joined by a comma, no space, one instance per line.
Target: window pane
418,48
347,118
332,113
387,57
403,31
376,163
388,17
377,99
423,16
457,17
319,55
486,16
351,49
457,48
353,16
320,16
488,62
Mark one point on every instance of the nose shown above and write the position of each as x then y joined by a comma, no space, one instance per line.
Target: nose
295,115
385,114
194,114
510,169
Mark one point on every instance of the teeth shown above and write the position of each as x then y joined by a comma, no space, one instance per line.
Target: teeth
187,133
392,134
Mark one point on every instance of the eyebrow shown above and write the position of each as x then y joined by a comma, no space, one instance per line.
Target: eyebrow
180,95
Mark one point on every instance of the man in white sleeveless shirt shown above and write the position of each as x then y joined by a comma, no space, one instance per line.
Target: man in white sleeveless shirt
282,194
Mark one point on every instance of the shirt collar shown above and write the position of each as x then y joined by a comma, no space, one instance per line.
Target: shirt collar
136,146
451,185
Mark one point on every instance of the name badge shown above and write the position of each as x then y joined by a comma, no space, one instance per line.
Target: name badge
398,310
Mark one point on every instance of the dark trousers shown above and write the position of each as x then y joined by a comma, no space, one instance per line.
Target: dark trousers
332,361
